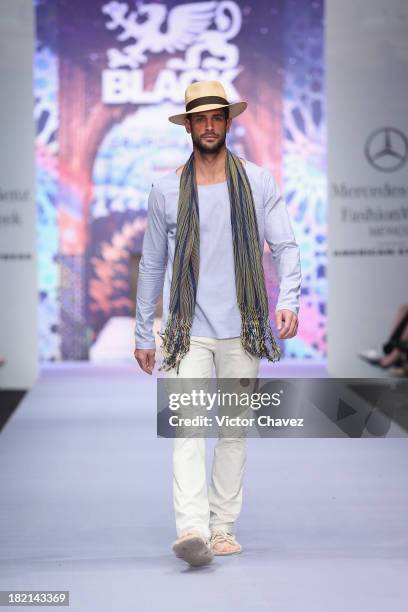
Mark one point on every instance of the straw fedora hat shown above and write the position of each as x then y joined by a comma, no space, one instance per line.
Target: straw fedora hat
204,96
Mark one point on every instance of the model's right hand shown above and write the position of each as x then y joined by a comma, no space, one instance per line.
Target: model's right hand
146,359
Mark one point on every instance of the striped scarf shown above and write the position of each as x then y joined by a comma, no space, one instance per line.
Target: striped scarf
252,298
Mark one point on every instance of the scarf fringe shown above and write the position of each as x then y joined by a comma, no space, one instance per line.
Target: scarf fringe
176,342
256,335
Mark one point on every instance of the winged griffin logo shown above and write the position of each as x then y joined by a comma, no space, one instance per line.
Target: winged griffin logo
195,28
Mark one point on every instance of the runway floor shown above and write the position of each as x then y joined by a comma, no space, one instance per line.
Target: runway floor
87,507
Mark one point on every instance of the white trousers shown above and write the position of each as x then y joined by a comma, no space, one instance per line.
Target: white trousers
219,506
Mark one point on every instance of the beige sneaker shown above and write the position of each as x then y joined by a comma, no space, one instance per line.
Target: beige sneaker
224,543
193,548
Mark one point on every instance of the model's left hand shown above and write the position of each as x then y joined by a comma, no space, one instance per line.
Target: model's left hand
286,323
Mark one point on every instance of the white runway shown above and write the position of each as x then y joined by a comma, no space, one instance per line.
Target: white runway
86,506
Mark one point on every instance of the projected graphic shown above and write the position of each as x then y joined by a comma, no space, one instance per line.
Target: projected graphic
107,76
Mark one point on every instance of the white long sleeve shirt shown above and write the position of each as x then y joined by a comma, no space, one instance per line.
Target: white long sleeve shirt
216,313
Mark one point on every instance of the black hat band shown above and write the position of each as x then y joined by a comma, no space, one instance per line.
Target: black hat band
205,100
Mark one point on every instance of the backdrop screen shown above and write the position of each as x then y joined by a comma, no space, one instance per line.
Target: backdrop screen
107,76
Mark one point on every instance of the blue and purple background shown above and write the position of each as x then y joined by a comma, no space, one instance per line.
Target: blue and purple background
96,161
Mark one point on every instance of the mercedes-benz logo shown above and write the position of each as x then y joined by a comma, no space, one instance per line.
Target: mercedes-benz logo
386,149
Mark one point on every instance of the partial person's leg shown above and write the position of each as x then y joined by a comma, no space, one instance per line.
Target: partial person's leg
393,353
225,491
398,329
189,472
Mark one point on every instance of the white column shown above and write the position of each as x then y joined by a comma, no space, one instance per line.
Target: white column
18,282
367,94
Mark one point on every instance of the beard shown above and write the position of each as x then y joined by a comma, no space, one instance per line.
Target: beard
211,148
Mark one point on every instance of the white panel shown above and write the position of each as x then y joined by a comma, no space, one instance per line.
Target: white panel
18,282
367,93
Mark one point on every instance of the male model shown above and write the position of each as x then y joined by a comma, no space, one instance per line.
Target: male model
206,226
